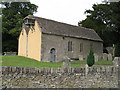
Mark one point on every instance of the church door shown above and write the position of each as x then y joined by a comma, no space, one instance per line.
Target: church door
53,55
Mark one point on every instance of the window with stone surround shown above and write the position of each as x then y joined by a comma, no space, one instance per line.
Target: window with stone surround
81,47
70,46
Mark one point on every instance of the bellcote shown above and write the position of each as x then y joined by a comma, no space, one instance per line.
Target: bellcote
29,20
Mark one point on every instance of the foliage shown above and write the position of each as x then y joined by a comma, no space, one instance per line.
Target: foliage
105,20
90,58
13,14
117,50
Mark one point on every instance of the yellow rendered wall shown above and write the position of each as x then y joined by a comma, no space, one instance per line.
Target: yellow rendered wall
22,43
34,42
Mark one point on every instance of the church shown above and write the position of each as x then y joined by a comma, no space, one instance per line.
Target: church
52,41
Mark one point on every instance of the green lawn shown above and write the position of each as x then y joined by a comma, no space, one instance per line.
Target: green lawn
20,61
25,62
97,64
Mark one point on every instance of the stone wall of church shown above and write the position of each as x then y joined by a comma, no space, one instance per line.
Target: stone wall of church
60,44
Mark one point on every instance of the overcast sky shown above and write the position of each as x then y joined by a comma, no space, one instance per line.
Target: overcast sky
67,11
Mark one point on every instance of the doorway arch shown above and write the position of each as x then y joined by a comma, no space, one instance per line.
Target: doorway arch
53,55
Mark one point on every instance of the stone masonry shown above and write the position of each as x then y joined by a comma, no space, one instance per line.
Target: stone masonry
91,77
60,43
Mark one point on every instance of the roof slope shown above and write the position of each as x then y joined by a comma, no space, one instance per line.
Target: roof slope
58,28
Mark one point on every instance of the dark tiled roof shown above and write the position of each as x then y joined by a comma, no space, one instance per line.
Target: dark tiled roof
58,28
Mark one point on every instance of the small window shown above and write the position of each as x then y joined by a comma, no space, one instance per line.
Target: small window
70,46
81,47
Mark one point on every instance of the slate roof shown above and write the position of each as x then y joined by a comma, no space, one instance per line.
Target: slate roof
58,28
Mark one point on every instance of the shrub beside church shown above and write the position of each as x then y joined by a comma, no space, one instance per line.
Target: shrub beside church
90,58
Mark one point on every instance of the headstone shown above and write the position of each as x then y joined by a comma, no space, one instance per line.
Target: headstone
96,57
86,69
65,65
110,50
105,56
109,56
80,57
116,61
10,53
66,62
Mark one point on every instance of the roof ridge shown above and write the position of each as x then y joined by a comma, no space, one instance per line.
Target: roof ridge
63,23
61,28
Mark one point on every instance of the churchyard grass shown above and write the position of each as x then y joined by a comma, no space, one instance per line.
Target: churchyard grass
19,61
98,63
104,62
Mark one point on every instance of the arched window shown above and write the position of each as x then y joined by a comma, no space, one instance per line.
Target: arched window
70,46
81,47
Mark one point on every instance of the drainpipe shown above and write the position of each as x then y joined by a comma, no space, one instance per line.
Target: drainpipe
27,45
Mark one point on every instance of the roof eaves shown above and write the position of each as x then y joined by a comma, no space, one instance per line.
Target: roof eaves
85,38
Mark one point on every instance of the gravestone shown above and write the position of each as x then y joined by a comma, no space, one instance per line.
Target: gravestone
10,53
66,63
80,57
110,50
96,57
116,61
105,56
109,56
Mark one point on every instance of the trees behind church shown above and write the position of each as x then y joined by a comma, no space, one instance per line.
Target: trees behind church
105,20
13,14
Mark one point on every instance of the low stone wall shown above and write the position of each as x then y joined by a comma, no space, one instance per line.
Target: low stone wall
94,77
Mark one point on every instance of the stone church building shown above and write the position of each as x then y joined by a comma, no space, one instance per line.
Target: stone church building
51,41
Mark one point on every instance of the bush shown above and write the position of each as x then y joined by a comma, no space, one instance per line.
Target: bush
117,50
90,58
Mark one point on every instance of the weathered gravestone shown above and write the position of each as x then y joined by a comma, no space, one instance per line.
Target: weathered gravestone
105,56
96,57
66,63
80,57
110,50
109,56
116,61
10,53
